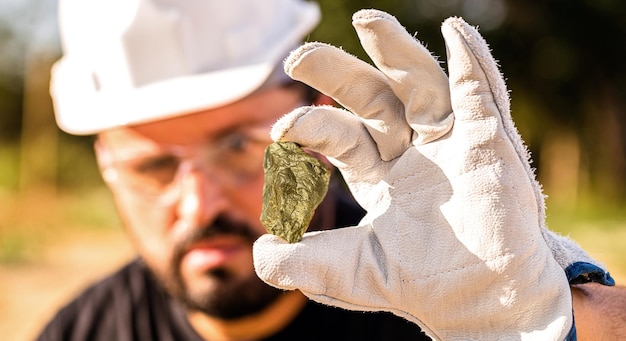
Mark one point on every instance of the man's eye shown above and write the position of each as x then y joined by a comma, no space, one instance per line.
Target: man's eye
237,143
156,165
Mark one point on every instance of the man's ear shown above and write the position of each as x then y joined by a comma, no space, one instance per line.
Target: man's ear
103,159
322,99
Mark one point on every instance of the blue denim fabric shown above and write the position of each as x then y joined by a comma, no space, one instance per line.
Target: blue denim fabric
583,272
571,336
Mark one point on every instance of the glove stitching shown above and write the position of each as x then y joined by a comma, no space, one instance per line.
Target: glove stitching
460,268
409,177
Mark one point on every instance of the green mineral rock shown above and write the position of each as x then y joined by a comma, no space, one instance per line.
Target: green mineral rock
295,184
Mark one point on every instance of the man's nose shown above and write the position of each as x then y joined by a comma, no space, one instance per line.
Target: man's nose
201,198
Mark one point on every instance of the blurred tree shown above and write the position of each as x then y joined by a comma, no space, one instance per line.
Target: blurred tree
11,84
564,62
567,59
39,135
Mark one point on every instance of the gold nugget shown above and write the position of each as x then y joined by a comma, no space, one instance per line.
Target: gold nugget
295,184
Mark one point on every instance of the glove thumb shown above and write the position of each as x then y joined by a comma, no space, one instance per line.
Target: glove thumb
275,259
325,266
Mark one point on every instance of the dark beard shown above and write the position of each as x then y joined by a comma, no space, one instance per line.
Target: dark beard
228,298
232,300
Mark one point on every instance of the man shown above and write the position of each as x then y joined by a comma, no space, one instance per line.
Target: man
189,186
181,95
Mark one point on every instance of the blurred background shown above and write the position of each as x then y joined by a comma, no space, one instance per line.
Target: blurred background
564,62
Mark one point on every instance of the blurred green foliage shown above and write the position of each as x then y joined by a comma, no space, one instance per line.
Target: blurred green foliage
564,62
565,65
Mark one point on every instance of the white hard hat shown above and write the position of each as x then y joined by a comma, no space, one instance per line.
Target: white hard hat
134,61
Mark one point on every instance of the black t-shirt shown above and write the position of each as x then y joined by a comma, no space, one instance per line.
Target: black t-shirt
130,305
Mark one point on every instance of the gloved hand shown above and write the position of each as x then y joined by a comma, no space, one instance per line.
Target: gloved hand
453,236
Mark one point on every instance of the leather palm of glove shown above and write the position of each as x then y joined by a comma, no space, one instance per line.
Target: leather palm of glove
454,237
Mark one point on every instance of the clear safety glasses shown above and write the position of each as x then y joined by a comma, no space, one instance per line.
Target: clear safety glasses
232,160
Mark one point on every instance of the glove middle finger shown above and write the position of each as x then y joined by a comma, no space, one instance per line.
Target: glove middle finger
412,72
359,87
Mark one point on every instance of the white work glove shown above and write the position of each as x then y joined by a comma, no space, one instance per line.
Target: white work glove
453,239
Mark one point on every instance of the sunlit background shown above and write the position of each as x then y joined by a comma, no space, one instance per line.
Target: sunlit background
564,61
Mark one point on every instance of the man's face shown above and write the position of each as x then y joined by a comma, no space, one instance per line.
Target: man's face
195,229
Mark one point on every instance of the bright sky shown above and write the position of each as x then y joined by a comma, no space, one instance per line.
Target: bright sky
37,16
33,24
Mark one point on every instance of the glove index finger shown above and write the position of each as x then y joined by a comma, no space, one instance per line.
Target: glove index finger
335,133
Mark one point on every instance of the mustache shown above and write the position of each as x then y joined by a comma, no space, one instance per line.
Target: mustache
221,226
